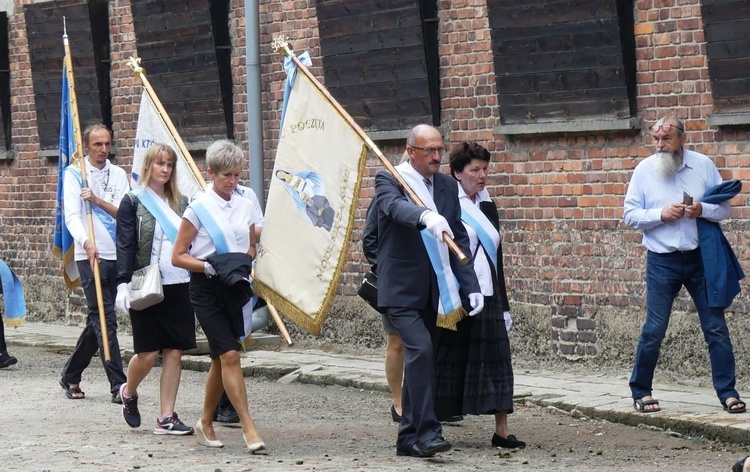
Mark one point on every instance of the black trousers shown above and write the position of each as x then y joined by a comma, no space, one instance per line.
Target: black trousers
3,346
91,338
418,421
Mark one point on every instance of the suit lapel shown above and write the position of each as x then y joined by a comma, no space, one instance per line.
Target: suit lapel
439,193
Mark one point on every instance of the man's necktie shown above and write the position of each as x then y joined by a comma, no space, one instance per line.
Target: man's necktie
428,184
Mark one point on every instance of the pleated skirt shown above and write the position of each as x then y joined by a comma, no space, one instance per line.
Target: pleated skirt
473,370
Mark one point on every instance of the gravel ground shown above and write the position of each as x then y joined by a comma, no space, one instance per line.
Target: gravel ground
305,427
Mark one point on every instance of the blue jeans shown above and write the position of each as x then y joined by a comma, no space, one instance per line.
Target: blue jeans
665,276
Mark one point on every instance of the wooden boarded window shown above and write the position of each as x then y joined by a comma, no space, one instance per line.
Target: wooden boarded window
5,131
380,60
563,60
726,24
177,47
44,29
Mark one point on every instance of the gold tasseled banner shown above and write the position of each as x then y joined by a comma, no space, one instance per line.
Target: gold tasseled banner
15,322
300,318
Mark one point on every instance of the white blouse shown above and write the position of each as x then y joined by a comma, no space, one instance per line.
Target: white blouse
238,213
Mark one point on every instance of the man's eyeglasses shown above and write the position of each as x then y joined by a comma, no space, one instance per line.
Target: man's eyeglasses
666,127
439,151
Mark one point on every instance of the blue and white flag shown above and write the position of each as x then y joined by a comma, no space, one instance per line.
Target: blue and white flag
63,245
15,305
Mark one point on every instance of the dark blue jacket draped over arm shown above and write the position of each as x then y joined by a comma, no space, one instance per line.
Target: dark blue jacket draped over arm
722,271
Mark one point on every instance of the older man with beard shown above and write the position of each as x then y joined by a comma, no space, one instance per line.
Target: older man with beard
664,201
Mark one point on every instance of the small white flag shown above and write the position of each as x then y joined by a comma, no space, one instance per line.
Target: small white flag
152,129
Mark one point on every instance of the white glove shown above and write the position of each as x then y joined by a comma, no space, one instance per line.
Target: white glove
122,301
436,224
508,320
208,269
476,300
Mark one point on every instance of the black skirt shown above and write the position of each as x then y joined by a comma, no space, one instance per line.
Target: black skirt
213,315
170,324
473,371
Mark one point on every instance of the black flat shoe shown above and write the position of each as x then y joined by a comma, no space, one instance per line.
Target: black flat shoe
739,465
396,417
411,451
432,447
453,419
511,442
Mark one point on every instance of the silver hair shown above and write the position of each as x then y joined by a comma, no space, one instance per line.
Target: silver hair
224,155
674,121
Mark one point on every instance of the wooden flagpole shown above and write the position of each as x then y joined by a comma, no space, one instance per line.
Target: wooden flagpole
78,157
279,323
135,64
281,43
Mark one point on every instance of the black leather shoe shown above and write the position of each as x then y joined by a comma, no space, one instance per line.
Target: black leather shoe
433,446
7,360
739,465
396,417
511,442
226,416
411,451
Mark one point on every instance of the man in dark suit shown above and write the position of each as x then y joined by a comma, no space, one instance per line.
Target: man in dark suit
407,284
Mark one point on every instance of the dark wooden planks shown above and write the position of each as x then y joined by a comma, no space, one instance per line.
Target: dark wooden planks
726,24
560,59
375,61
176,45
5,115
44,29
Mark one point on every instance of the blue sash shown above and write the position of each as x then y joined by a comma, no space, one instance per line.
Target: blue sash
484,238
104,217
447,282
208,221
159,212
450,310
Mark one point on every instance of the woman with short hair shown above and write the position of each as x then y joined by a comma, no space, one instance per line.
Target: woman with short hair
217,229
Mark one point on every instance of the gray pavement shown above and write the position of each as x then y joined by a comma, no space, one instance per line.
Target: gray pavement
686,410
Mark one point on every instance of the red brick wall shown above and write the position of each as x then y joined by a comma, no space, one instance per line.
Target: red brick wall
560,197
27,184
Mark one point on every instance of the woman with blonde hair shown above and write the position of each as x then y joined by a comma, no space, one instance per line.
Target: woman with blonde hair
147,223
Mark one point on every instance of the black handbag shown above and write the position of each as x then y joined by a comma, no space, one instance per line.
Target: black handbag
368,290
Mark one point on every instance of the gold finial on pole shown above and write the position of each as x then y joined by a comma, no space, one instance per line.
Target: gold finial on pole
135,64
281,42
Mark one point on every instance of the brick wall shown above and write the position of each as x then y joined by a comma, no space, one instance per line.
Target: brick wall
569,259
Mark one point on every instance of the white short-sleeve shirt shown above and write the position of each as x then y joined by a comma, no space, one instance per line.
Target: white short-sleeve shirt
238,214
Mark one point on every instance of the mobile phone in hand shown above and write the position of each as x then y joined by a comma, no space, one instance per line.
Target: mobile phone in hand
687,199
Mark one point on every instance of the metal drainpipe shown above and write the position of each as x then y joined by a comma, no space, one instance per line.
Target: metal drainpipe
254,117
